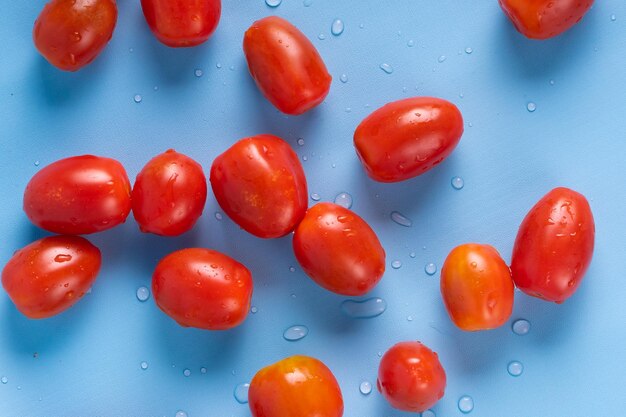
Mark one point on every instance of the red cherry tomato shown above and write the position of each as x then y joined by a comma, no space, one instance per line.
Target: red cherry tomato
554,246
72,33
285,65
202,288
406,138
339,250
260,184
51,275
298,386
78,195
410,377
543,19
477,288
182,23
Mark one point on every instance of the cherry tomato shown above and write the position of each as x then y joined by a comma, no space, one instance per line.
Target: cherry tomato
406,138
543,19
285,65
260,184
182,23
477,288
298,386
410,377
554,246
78,195
339,250
72,33
51,274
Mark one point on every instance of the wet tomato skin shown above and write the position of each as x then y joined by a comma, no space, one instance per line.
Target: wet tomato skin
51,274
405,138
554,246
297,386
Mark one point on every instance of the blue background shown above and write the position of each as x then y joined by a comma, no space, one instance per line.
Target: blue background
88,359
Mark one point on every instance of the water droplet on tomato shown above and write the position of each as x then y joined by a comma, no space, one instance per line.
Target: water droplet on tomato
365,388
62,258
241,393
401,219
366,309
387,68
295,333
337,27
515,368
143,293
466,404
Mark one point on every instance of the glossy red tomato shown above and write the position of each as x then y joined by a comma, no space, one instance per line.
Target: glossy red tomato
554,246
542,19
169,194
182,23
411,377
72,33
339,250
406,138
298,386
260,184
78,195
285,65
51,275
477,288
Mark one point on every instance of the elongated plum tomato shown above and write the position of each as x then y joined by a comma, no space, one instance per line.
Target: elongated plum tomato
477,288
202,288
339,250
410,377
71,33
78,195
182,23
260,184
299,386
285,65
51,274
406,138
554,246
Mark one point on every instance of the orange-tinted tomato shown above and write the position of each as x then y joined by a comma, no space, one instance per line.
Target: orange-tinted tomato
298,386
72,33
78,195
202,288
260,184
339,250
554,246
285,65
477,288
50,275
411,377
406,138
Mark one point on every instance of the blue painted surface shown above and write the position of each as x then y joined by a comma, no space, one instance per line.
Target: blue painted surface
89,359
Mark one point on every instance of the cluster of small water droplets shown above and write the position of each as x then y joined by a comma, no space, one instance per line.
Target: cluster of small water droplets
365,309
295,333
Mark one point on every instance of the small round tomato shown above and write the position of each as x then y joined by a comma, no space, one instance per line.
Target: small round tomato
182,23
72,33
285,65
50,275
169,194
406,138
78,195
202,288
554,246
297,386
339,250
410,377
260,184
543,19
477,288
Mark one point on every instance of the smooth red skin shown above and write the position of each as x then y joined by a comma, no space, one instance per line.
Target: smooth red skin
554,246
406,138
72,33
477,287
543,19
410,377
339,250
51,274
182,23
298,386
203,288
285,65
259,182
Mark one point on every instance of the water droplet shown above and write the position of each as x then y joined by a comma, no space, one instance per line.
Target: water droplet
401,219
613,18
254,310
156,88
315,197
4,380
441,59
521,327
396,264
241,393
515,368
321,36
366,309
292,269
19,387
273,3
387,68
344,200
430,269
180,413
218,216
409,318
466,404
295,333
365,388
137,98
429,413
36,163
305,158
468,50
131,50
337,27
144,365
410,43
457,183
307,3
198,72
551,82
412,255
348,110
187,372
143,293
531,107
343,78
62,258
203,370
